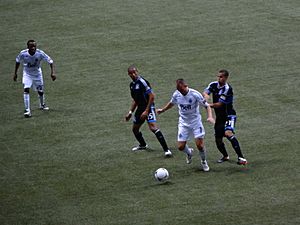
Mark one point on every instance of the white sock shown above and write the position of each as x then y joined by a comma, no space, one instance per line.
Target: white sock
26,101
187,150
42,99
202,154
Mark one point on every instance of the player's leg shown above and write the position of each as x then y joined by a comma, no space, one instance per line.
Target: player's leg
154,128
202,152
229,134
182,138
137,123
199,134
39,84
27,83
221,147
219,134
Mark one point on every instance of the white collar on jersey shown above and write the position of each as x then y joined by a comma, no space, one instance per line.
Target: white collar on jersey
219,87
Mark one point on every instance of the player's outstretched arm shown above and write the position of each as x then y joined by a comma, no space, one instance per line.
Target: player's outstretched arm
165,108
15,77
53,76
131,110
209,115
206,96
216,105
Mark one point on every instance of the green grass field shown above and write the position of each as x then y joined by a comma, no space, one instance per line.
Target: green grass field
73,165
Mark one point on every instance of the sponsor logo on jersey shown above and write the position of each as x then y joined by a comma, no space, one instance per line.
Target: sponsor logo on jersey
185,107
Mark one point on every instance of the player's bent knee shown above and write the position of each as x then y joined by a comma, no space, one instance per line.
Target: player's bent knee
153,127
40,93
181,147
228,133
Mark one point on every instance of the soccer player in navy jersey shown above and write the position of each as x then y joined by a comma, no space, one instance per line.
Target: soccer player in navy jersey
143,105
222,95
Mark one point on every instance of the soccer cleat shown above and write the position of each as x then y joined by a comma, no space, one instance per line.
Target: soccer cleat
138,148
242,161
189,156
44,107
223,159
27,113
168,153
205,166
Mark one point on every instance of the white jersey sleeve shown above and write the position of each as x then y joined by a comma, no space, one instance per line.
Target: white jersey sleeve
174,99
202,101
20,57
45,57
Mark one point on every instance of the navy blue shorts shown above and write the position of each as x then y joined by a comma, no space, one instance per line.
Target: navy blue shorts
151,116
222,125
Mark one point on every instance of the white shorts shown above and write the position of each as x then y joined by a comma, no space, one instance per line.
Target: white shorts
36,82
184,132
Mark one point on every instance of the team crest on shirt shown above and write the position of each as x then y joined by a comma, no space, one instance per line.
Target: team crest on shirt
190,100
137,86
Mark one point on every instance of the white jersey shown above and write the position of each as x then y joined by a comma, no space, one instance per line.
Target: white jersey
32,63
188,106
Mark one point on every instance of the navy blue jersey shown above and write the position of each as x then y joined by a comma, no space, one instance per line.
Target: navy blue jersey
140,90
222,94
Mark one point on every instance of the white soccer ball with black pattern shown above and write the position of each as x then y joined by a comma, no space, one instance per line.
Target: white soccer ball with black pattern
161,174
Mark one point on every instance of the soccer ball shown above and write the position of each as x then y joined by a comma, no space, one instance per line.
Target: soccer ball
161,174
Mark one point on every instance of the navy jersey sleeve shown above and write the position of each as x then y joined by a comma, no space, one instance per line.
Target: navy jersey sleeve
209,89
146,86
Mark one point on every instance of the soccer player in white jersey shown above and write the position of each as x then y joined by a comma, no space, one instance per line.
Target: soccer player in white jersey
188,101
32,73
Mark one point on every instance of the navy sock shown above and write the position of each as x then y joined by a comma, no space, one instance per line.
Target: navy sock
161,139
222,149
236,146
139,137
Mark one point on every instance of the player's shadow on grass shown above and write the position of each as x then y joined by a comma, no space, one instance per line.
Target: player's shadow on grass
230,167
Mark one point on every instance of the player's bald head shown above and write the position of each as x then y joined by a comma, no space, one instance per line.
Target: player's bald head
132,69
133,72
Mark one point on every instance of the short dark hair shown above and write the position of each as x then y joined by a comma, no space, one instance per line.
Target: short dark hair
181,81
132,68
30,41
224,72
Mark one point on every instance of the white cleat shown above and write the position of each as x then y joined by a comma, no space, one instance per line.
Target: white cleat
138,148
242,161
205,166
189,156
44,107
27,113
168,153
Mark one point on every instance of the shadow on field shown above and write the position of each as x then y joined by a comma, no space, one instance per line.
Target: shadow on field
160,184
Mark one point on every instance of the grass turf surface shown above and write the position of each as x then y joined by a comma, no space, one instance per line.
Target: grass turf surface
73,164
